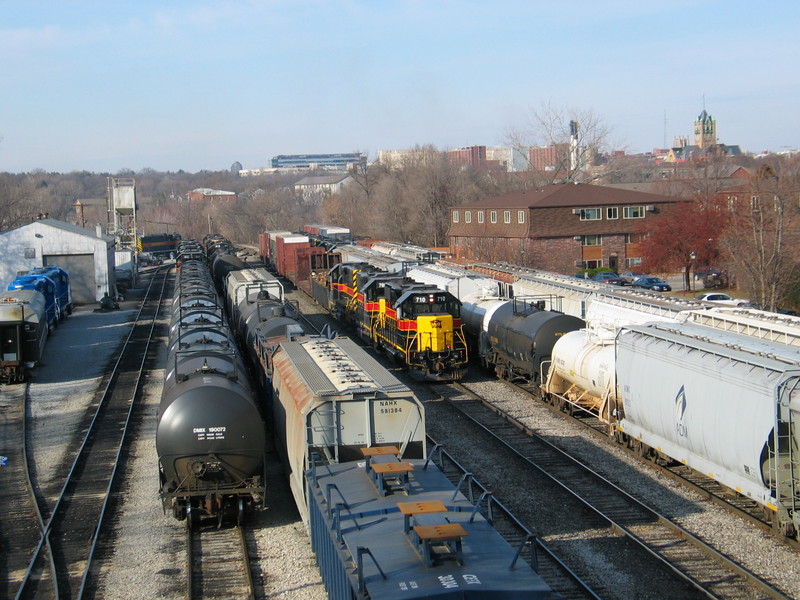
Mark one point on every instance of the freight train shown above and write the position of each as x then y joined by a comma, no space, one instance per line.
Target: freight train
418,324
210,437
351,437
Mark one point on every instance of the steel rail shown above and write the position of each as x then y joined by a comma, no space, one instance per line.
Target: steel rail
113,475
743,572
585,588
48,526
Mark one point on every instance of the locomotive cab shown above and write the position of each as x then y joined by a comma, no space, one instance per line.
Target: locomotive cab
432,320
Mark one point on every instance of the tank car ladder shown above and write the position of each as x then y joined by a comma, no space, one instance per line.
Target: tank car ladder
785,457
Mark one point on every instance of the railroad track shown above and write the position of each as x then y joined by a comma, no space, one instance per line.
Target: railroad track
535,552
545,559
61,564
708,488
20,521
591,497
218,563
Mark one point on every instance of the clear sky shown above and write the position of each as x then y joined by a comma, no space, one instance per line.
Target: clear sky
102,85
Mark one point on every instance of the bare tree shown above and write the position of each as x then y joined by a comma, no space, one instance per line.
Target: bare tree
762,237
577,137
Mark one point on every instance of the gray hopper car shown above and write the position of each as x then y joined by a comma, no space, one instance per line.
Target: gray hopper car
332,399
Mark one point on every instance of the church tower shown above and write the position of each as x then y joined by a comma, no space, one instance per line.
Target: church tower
705,131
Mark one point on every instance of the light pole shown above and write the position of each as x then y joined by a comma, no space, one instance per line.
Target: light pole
692,257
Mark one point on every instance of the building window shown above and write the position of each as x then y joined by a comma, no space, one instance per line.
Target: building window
755,203
633,212
591,214
594,264
612,212
506,216
634,238
468,216
633,262
480,216
593,240
520,216
493,216
455,216
30,252
732,202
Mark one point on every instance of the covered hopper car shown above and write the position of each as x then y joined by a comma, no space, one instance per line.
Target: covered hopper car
724,403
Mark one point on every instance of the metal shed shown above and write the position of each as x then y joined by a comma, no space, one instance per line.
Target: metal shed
87,256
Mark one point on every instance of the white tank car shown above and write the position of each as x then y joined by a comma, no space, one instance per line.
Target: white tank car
459,282
476,312
582,373
715,403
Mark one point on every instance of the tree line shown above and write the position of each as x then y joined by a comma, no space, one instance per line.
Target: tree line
750,231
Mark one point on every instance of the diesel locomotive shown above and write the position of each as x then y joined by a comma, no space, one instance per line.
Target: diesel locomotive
23,332
418,324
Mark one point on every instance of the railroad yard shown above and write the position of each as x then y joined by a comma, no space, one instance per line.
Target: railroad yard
142,552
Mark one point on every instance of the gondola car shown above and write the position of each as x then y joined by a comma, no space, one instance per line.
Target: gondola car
23,333
418,324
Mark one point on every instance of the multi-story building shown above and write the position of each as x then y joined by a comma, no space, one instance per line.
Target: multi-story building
343,162
561,227
549,159
320,187
705,142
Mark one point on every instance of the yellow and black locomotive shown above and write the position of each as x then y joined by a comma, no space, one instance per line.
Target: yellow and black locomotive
417,323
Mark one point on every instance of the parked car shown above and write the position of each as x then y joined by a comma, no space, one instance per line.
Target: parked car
712,277
631,276
704,271
610,277
652,283
718,298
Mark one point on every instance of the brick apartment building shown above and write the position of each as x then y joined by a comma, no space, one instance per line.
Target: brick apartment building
561,227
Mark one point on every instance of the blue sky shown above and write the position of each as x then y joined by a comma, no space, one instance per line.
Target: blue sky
198,84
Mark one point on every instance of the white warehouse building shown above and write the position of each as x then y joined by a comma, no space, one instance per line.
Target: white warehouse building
87,257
